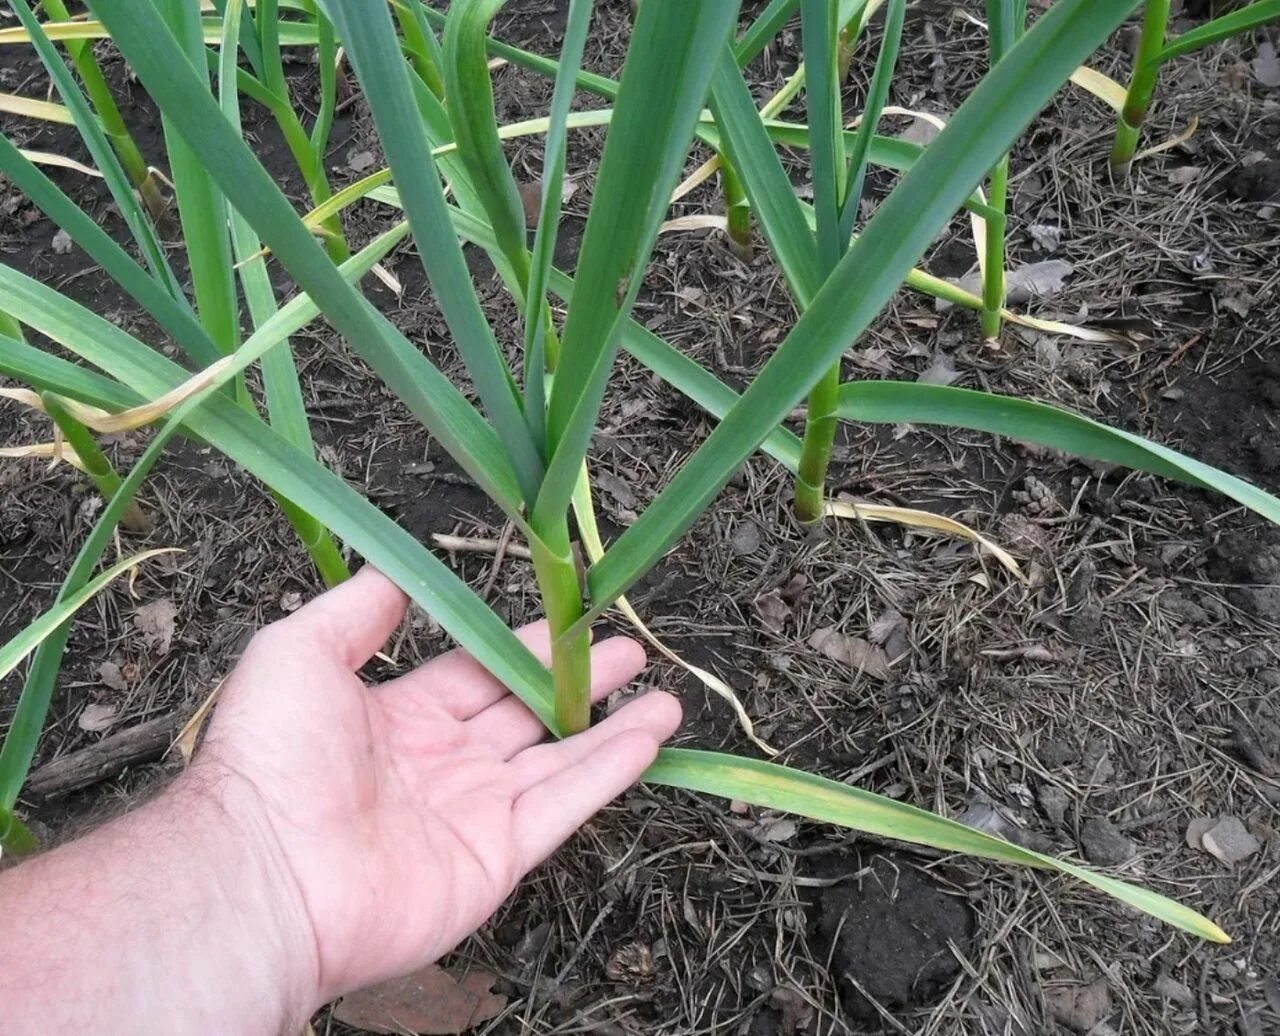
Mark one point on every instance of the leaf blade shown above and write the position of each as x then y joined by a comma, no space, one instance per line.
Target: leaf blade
667,70
819,798
30,638
1236,22
1026,420
743,136
173,86
868,275
371,43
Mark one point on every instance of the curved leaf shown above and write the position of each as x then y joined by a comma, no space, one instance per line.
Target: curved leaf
890,402
469,100
292,473
1233,24
12,653
538,321
173,314
744,138
673,49
95,140
779,787
373,47
174,85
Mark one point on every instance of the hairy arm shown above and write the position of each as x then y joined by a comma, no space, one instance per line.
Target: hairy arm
328,836
177,917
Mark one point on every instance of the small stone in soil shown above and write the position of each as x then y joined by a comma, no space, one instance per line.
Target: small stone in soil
746,538
773,610
1174,991
1057,753
1104,844
1196,830
1054,801
1080,1008
1230,841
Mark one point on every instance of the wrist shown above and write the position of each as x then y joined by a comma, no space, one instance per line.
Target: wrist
252,898
203,924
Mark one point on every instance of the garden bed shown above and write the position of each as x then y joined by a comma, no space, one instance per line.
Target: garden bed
1096,713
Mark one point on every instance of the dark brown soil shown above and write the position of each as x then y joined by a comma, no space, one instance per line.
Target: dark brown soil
1130,689
888,929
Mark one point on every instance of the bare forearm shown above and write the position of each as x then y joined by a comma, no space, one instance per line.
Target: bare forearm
172,918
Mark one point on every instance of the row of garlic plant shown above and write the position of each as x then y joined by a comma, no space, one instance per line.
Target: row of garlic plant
526,444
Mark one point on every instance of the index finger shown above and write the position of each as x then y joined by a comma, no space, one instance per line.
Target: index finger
353,620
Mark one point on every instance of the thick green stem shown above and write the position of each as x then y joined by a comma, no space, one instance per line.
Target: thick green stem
830,179
1142,86
737,211
319,542
308,153
95,85
557,576
96,464
993,275
819,440
310,163
1007,21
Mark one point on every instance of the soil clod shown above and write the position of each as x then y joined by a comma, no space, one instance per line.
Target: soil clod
1080,1007
1104,844
889,935
1230,841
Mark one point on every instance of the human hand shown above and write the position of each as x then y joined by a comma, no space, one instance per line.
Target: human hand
401,815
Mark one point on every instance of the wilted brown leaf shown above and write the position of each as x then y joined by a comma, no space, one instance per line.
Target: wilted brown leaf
112,676
156,622
940,372
531,198
773,610
777,829
616,488
359,161
1080,1007
429,1001
631,962
854,652
97,717
1185,174
1040,280
921,131
1036,280
1266,66
531,201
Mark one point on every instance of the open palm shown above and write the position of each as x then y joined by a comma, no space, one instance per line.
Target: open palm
406,812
